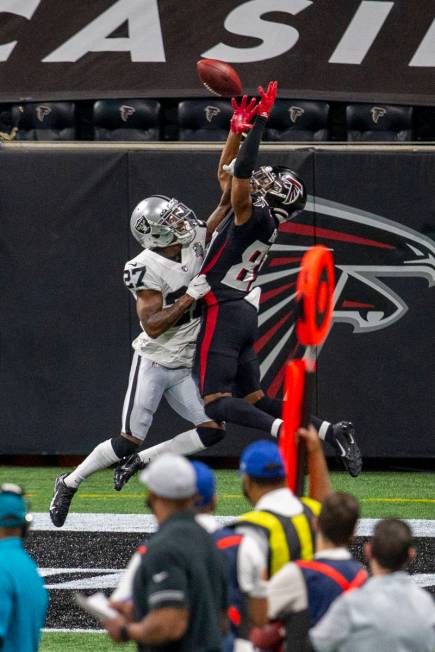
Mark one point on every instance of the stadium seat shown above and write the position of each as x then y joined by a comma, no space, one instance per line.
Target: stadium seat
7,132
207,119
298,120
425,123
45,120
126,120
379,122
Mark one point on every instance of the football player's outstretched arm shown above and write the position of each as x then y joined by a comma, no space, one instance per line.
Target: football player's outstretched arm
154,318
220,211
240,123
247,157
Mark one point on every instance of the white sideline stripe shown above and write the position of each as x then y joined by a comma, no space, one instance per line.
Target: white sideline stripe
77,522
47,572
109,578
419,527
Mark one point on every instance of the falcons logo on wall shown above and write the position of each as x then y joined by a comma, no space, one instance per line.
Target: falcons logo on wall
367,249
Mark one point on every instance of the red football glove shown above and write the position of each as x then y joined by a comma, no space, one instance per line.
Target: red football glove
265,105
242,115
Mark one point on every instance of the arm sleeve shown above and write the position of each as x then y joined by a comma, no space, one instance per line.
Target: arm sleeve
167,582
247,157
286,592
333,628
5,604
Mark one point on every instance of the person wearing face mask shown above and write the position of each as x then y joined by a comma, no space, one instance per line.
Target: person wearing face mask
180,584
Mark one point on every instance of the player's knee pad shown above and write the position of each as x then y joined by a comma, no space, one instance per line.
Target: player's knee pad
210,436
271,406
123,447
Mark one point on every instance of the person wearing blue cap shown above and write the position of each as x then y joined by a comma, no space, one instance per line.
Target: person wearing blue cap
247,588
179,588
23,597
282,523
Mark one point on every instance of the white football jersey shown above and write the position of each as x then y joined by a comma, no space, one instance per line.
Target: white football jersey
151,271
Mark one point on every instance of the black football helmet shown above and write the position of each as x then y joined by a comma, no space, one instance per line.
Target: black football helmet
282,189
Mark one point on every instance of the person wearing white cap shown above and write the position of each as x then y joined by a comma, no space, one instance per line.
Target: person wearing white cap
180,586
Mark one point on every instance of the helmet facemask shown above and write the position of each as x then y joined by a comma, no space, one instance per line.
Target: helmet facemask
158,222
284,193
180,220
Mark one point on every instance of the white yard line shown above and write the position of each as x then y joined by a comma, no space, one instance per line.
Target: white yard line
109,578
78,522
73,631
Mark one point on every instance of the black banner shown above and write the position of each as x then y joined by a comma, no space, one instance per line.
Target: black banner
349,50
67,321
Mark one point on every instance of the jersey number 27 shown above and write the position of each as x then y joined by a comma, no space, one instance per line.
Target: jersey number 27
133,277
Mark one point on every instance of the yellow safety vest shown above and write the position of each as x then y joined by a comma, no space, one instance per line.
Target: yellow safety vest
290,537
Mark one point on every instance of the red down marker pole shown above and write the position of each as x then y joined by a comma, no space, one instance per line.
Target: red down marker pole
314,296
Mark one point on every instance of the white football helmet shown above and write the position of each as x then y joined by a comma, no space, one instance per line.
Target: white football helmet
159,221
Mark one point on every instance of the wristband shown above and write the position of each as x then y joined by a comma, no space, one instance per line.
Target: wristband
123,634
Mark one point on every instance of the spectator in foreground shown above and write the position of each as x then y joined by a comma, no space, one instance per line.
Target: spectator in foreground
247,588
302,591
282,523
390,613
23,598
180,586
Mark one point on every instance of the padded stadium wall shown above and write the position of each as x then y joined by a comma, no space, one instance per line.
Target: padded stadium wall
67,321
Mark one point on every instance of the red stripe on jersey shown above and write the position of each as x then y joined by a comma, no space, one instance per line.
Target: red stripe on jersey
234,615
360,578
334,574
229,541
215,258
210,325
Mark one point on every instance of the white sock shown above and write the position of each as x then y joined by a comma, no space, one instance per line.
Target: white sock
323,429
276,425
101,457
185,443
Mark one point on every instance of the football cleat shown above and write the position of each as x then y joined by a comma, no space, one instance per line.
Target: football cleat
126,468
62,497
347,450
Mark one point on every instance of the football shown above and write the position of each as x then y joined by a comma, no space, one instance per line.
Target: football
219,77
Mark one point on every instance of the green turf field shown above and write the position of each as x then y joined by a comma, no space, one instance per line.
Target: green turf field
54,642
403,494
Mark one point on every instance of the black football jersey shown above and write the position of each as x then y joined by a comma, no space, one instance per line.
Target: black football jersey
236,254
